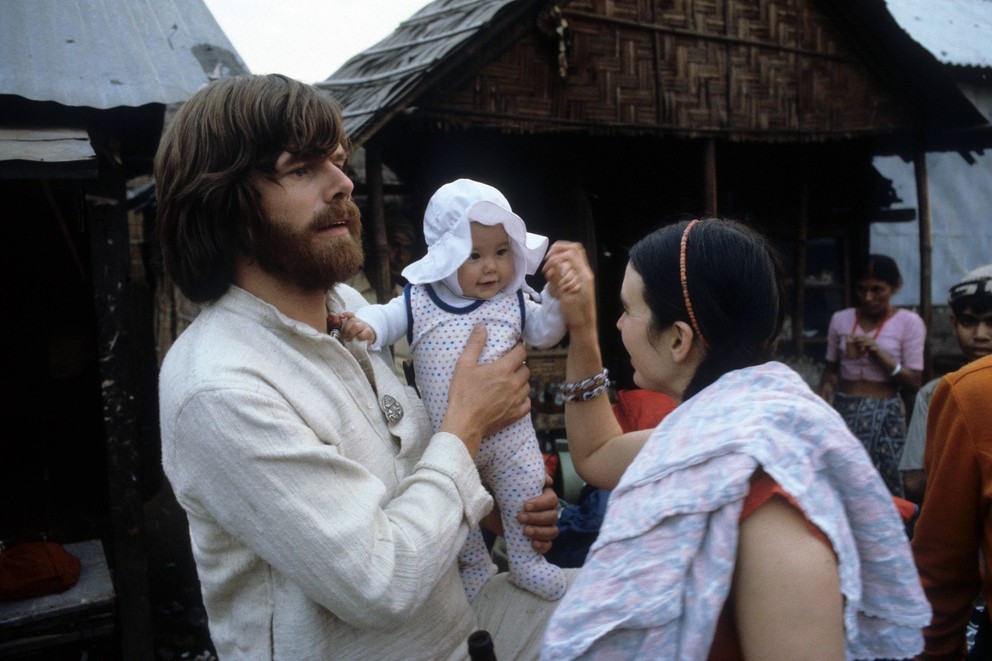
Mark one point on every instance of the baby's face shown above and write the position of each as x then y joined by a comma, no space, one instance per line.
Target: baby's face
489,268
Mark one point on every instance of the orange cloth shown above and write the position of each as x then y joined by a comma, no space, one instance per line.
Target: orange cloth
907,508
36,569
641,409
955,522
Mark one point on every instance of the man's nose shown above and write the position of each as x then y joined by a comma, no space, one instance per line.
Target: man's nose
339,185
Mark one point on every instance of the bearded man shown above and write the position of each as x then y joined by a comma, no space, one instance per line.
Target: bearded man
323,514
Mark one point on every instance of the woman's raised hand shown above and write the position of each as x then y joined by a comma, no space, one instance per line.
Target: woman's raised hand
570,277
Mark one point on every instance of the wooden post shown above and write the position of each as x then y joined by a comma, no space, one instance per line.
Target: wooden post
709,177
111,270
799,273
926,252
382,279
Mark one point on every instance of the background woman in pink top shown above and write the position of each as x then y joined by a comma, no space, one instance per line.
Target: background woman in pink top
873,350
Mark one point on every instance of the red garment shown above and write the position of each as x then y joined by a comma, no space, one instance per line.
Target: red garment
36,569
641,409
726,642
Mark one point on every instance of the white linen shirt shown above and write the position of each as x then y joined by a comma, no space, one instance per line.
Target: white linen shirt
319,530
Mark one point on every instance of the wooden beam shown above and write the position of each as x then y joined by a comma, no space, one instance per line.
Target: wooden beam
709,177
381,277
926,252
110,249
799,272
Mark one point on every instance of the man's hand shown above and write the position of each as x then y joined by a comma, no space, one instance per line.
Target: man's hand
482,399
539,516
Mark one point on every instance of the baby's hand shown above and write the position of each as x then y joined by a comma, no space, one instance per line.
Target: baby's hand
353,328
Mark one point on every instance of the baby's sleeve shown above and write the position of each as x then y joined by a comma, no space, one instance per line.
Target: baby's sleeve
544,325
389,321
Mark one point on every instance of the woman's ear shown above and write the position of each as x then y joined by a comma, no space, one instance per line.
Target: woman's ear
682,341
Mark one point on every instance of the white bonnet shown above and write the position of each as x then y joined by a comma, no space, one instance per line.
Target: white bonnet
449,238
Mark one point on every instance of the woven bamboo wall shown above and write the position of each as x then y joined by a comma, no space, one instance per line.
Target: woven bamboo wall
755,69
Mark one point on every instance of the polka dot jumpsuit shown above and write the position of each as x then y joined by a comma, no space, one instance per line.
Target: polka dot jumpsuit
509,462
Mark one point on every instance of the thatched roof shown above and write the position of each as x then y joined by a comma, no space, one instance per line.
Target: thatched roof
381,81
783,71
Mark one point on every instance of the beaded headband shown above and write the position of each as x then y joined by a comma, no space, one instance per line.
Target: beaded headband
685,283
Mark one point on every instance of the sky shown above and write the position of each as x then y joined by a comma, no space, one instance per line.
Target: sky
307,39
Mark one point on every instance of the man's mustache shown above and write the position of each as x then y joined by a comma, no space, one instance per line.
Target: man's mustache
338,212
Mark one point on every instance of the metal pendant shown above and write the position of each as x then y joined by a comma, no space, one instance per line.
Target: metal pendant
392,409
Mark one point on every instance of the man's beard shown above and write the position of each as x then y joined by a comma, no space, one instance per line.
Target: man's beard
307,260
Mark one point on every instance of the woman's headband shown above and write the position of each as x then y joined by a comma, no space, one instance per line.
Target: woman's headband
685,283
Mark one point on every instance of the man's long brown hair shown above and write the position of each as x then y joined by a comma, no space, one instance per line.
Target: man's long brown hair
225,133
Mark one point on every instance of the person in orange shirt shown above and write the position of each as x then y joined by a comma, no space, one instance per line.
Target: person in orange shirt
952,541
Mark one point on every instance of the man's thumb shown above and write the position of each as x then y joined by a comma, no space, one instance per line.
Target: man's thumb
476,343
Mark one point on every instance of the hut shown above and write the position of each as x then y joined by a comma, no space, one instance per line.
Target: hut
83,92
603,118
958,183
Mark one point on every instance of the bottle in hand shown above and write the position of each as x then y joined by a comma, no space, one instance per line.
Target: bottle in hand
480,646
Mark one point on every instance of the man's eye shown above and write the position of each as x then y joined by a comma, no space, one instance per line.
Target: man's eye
298,172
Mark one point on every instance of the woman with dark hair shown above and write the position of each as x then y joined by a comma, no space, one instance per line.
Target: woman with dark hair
873,350
750,523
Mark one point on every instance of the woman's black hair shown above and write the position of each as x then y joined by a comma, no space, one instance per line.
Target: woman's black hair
880,267
735,286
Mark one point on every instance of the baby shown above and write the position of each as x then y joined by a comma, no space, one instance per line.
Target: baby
478,254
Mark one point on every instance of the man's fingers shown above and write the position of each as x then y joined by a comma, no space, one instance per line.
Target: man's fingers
476,343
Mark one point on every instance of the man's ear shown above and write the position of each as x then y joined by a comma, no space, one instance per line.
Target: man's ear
682,341
951,318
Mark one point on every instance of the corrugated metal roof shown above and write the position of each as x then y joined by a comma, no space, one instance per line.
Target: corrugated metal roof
53,145
109,53
384,78
956,32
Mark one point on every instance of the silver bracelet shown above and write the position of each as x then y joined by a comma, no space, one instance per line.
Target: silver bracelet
898,368
586,389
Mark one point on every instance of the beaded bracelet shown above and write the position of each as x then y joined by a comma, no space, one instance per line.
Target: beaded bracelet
586,389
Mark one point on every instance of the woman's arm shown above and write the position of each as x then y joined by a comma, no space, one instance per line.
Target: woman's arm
786,589
828,381
600,450
831,370
905,377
